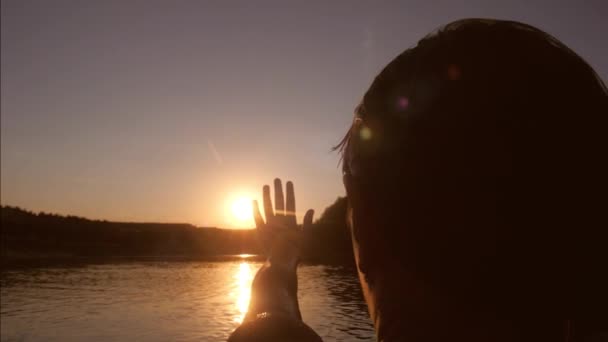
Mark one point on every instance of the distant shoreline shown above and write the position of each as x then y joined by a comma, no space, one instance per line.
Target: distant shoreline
49,261
42,239
15,263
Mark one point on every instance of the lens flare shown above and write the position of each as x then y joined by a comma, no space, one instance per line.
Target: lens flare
402,103
365,133
454,72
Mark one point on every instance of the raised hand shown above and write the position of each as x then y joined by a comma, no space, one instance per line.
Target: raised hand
279,234
273,308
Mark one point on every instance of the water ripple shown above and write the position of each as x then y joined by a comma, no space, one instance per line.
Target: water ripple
159,301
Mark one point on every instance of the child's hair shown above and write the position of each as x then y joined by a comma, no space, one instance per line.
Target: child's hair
481,155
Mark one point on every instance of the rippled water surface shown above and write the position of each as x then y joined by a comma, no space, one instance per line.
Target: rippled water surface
166,301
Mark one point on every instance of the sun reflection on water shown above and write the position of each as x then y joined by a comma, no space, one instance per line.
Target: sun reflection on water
242,291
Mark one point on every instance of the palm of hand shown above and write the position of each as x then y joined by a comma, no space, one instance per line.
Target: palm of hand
280,235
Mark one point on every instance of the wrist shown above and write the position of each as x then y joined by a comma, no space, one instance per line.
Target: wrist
285,254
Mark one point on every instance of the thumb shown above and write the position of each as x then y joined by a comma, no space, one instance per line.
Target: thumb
308,219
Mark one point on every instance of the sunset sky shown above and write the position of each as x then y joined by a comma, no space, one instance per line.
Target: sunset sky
169,111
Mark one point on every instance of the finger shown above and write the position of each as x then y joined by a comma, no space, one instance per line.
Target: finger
279,201
308,219
257,216
290,201
267,203
262,230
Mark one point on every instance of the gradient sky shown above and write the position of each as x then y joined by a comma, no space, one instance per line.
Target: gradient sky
167,110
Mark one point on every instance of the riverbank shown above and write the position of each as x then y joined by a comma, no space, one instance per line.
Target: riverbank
41,238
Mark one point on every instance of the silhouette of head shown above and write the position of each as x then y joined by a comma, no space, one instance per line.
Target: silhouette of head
475,172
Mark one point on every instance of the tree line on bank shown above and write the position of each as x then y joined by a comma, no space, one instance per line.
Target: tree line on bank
26,235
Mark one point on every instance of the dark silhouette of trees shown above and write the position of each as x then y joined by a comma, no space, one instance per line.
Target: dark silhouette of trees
329,238
27,235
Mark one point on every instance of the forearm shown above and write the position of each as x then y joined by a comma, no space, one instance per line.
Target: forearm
275,288
273,313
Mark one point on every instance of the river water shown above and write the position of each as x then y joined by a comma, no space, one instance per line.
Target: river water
166,301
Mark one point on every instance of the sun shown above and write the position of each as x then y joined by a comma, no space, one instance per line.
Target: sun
241,210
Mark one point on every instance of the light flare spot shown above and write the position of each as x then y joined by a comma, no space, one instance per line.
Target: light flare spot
402,103
454,72
365,133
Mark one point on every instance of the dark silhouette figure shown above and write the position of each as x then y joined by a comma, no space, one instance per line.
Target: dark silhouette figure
475,172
